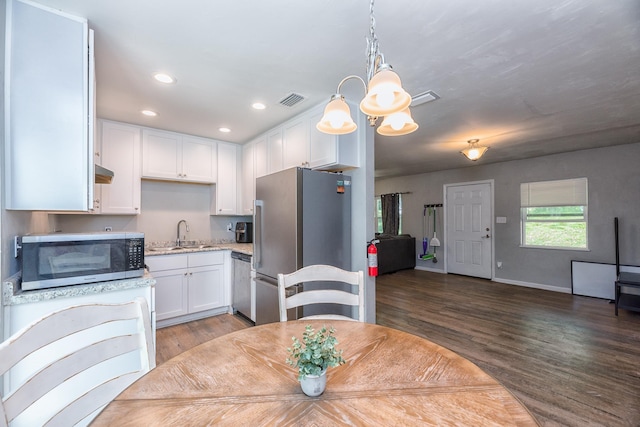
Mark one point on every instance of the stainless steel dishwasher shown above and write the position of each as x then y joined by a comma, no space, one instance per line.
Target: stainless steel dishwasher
241,283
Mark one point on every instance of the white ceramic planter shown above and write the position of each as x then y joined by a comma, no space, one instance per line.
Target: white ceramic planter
314,385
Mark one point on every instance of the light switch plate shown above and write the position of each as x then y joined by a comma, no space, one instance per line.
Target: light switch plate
501,220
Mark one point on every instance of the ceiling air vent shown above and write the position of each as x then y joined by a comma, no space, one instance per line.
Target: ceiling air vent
424,97
291,100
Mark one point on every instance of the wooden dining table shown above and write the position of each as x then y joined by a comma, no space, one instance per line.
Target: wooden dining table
390,378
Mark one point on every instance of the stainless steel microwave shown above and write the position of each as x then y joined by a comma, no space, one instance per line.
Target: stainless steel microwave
54,260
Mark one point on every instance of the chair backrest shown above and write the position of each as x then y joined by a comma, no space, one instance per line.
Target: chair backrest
321,273
85,355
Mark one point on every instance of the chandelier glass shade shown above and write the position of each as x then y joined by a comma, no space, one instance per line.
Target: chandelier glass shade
474,151
397,124
337,117
384,97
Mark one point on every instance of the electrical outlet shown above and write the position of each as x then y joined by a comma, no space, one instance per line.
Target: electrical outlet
499,264
230,227
108,229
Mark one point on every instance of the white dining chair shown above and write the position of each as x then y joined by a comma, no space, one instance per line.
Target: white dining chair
82,356
321,273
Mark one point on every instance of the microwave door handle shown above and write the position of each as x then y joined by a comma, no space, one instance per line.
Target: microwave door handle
258,206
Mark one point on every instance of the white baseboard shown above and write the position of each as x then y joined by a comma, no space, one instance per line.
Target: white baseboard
432,270
533,285
194,316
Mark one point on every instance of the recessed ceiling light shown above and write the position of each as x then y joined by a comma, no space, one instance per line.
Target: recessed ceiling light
259,106
164,78
149,113
225,130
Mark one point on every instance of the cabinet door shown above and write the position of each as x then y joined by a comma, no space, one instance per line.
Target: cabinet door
226,185
295,143
48,110
206,289
260,157
322,146
198,160
248,178
161,155
121,154
274,151
171,293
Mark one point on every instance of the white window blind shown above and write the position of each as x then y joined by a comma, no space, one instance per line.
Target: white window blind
566,192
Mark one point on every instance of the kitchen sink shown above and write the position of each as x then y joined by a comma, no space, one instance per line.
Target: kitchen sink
196,246
165,248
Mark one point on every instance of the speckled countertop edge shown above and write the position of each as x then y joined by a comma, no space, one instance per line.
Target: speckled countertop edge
245,248
9,297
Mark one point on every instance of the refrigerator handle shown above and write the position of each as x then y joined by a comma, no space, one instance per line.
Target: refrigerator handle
258,205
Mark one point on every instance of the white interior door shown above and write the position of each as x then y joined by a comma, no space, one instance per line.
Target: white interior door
468,229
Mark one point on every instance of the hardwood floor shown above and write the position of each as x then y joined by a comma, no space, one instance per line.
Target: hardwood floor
569,359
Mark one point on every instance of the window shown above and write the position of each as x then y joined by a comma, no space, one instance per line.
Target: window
378,215
554,214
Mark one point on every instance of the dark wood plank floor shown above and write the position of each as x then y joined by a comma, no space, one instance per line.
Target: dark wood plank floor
569,359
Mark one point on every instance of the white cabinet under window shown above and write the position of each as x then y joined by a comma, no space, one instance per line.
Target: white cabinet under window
120,152
49,114
188,284
177,157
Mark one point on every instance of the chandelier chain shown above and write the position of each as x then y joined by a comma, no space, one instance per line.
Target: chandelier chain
372,45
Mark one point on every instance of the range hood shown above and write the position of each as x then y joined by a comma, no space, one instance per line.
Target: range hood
103,175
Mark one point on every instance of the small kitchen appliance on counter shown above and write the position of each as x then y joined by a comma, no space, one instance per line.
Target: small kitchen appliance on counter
63,259
244,232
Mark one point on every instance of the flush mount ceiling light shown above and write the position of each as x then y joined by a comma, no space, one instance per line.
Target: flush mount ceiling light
258,106
224,130
384,97
474,151
164,78
149,113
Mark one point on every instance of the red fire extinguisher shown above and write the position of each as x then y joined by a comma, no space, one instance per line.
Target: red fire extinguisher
372,256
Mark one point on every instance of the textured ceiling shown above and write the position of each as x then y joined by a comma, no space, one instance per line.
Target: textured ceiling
527,78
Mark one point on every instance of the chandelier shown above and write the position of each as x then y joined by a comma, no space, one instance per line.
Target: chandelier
474,151
384,97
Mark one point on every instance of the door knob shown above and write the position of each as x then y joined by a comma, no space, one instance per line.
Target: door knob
486,237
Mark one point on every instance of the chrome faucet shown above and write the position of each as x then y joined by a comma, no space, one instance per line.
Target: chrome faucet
178,240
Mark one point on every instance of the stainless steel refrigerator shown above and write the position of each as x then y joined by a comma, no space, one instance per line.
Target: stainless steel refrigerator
301,217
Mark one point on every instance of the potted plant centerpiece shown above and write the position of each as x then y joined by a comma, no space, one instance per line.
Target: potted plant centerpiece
313,356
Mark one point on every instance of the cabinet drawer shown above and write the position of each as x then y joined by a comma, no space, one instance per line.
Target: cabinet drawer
166,262
200,259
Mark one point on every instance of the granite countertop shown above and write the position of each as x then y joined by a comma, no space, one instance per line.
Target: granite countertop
12,295
245,248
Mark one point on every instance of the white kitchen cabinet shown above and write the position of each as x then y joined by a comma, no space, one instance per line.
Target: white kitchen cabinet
332,152
120,152
254,165
224,195
49,114
188,286
295,142
176,157
274,150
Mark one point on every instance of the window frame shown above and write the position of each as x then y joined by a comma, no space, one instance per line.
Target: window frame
576,192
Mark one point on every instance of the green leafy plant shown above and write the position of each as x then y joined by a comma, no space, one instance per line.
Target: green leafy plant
315,353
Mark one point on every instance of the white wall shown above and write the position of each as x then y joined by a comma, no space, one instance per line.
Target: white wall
614,190
163,205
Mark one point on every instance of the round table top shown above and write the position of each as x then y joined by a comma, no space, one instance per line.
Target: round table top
389,378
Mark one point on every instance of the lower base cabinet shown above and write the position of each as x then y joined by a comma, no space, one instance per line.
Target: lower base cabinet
188,283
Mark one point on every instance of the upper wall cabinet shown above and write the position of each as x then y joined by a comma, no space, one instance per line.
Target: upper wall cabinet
120,153
332,152
254,165
224,197
49,113
176,157
295,142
